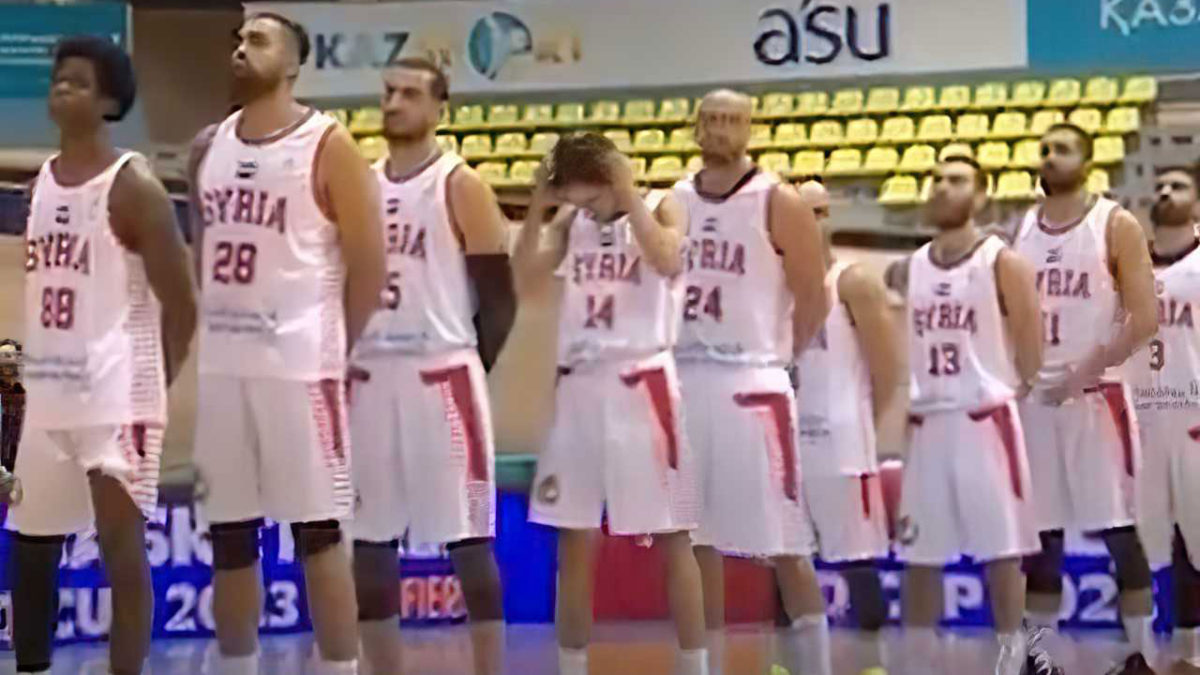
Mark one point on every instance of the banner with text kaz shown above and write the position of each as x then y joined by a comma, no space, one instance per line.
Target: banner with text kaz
498,46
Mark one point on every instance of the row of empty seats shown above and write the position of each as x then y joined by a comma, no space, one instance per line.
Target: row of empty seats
906,190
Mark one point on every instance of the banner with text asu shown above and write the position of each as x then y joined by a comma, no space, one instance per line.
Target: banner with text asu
498,47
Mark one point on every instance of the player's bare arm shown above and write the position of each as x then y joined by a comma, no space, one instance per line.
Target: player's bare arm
352,197
866,300
1130,258
1016,281
143,219
660,232
532,263
795,233
196,155
895,277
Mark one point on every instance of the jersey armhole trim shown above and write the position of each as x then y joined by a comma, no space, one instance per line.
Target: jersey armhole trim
455,228
319,198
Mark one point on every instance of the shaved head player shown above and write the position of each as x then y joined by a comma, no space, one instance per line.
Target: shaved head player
290,271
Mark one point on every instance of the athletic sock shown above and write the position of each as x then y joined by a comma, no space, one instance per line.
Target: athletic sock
324,667
1140,632
869,647
691,662
1012,653
716,652
490,635
1189,650
1042,619
805,646
234,665
923,653
572,661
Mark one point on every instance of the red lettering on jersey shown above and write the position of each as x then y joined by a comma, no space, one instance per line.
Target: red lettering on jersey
1173,314
31,256
244,212
82,261
591,266
944,316
401,241
718,255
1063,283
249,208
58,250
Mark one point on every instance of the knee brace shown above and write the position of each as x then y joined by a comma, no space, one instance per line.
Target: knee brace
476,568
235,545
1043,571
1187,585
866,595
377,580
1133,569
34,563
316,537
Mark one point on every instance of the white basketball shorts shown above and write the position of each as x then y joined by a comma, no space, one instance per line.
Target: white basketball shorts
423,449
52,466
849,515
1169,482
966,488
741,424
1084,455
272,448
617,442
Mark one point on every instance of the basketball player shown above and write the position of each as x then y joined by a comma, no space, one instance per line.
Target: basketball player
291,270
109,314
847,376
754,291
1096,286
420,419
616,442
1165,379
966,479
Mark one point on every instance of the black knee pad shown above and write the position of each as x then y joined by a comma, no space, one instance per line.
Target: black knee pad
235,545
1133,569
1186,580
315,537
377,580
475,565
1043,571
866,595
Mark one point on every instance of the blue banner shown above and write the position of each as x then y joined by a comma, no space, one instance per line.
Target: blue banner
1114,35
29,32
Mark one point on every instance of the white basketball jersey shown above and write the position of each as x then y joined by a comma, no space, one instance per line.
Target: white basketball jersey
1165,374
93,326
427,304
272,276
614,305
835,389
959,350
1080,304
738,307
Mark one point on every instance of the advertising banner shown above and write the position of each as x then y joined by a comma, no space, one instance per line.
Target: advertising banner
1114,35
28,33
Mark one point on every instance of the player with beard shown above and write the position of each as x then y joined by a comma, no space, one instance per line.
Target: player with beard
754,290
290,270
109,315
1165,379
1096,285
420,417
974,342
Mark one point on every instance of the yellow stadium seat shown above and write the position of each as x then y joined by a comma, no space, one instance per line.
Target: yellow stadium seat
1139,90
682,138
1090,120
511,143
538,113
991,95
935,129
468,114
825,133
664,168
523,171
926,189
1100,91
1028,94
1014,186
695,163
1064,93
649,139
543,142
778,104
760,136
847,102
993,155
446,143
971,127
899,191
1099,182
954,97
1027,154
342,116
898,130
366,121
1044,119
621,138
808,163
477,145
673,109
790,135
844,162
373,147
956,150
605,111
919,99
502,114
755,104
1108,150
774,162
639,111
639,167
883,100
812,103
1009,125
569,113
862,131
493,172
880,160
1122,121
918,159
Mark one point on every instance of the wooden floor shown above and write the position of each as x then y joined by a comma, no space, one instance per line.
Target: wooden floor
621,649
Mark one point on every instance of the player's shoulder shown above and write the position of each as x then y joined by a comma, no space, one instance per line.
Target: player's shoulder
135,180
856,282
463,176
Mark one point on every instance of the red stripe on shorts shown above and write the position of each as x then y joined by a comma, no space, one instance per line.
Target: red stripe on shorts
331,396
1001,416
916,420
1194,432
656,383
462,397
864,486
780,408
1114,396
